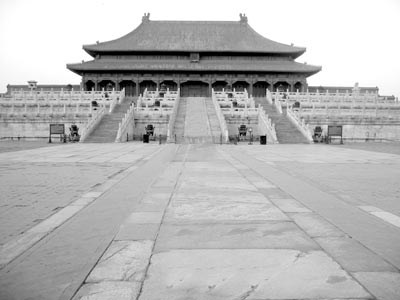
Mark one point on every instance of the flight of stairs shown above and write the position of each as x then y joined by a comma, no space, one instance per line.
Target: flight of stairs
286,131
196,121
107,130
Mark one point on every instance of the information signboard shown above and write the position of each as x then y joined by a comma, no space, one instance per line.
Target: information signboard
335,130
57,128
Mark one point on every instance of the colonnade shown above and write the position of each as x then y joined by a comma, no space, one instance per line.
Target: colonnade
194,85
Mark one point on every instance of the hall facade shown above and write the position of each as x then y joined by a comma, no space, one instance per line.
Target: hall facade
194,56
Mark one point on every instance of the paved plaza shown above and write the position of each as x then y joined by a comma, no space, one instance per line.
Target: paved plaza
191,222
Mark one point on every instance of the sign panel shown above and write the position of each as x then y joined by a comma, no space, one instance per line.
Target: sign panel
335,130
57,128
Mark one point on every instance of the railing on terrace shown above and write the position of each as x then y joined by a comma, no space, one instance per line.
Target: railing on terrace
352,105
221,118
365,111
275,99
265,125
172,119
299,122
127,120
240,111
70,96
234,94
92,123
37,108
156,94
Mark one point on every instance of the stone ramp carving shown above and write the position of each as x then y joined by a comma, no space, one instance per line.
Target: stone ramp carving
197,122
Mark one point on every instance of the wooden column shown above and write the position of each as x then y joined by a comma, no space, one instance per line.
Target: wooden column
137,88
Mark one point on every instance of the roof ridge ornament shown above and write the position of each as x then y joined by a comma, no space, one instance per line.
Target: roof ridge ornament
243,18
146,18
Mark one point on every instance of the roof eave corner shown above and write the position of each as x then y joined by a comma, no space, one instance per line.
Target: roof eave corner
300,52
89,50
72,69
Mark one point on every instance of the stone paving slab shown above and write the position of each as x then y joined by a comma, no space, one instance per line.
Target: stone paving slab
217,211
383,285
290,206
134,232
218,182
272,235
353,256
123,261
109,290
247,274
315,226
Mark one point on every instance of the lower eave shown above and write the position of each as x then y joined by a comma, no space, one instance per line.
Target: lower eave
186,66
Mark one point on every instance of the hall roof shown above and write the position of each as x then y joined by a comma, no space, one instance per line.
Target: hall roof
194,36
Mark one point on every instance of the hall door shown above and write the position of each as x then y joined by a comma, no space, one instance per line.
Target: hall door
194,89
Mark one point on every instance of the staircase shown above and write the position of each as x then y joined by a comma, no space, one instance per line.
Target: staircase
196,121
107,130
286,131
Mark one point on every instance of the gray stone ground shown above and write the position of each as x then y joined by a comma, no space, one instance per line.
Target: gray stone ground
149,221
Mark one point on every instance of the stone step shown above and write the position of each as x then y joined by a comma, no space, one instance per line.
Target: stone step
107,129
286,131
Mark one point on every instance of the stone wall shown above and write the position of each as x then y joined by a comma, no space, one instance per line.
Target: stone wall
35,127
160,124
233,124
363,132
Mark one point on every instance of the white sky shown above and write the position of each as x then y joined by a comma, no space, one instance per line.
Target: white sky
353,40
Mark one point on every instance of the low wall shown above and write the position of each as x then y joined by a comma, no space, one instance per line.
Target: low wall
160,124
234,123
35,127
366,131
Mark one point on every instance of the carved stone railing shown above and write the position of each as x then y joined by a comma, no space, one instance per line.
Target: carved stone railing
121,96
127,120
277,98
265,125
300,124
50,96
269,97
92,123
172,119
221,118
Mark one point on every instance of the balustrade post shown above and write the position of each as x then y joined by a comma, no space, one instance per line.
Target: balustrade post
38,109
65,108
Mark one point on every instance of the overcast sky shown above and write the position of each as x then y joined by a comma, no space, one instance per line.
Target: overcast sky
353,40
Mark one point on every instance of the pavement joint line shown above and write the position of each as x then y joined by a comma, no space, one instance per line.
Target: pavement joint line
381,214
17,246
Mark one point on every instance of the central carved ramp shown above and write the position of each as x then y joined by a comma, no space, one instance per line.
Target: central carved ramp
197,121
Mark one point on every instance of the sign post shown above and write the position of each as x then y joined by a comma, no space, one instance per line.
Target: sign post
336,130
56,129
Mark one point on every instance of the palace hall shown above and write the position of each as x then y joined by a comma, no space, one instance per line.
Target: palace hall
194,57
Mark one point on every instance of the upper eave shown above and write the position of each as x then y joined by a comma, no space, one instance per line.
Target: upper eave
194,36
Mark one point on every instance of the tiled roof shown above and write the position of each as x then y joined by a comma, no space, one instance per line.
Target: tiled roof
179,65
194,36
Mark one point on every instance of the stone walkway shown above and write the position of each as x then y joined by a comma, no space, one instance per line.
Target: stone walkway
144,221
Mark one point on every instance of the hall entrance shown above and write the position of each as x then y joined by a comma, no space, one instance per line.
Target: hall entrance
194,89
